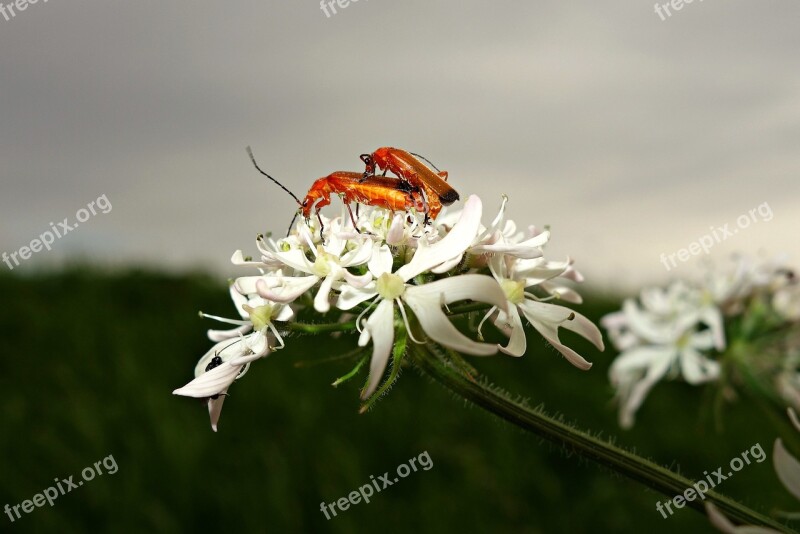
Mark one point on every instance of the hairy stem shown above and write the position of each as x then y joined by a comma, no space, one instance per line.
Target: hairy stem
626,463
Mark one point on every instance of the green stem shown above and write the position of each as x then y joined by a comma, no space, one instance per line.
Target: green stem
321,328
631,465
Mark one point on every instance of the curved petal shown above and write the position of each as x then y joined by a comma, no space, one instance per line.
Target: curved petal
426,302
586,329
222,335
696,368
453,244
296,259
225,349
446,266
397,229
322,301
380,326
351,296
381,261
517,342
215,408
359,255
357,281
238,259
211,383
283,289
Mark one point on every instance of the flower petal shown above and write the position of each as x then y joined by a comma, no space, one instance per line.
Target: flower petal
517,342
380,326
211,383
426,301
453,244
215,408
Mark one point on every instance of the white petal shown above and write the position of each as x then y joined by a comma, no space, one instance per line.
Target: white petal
238,259
654,373
696,368
359,255
586,329
397,230
352,296
322,300
215,409
453,244
225,349
526,250
296,259
381,261
357,281
381,330
210,383
446,266
284,289
238,299
222,335
517,342
426,302
285,314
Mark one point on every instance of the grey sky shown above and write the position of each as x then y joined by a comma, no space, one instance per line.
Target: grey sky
629,135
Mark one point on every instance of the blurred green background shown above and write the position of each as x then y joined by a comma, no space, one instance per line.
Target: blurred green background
90,359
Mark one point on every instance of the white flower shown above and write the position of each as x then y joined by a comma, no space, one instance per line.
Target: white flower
637,370
425,300
229,358
514,276
330,265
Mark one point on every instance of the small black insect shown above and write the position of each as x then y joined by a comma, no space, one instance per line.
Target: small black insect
216,361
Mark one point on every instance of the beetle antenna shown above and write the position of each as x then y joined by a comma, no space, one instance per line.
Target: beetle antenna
289,231
253,159
426,159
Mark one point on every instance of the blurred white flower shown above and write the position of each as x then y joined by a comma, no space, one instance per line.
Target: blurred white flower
665,334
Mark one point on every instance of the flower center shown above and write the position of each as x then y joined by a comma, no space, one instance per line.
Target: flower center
260,316
515,291
322,265
390,286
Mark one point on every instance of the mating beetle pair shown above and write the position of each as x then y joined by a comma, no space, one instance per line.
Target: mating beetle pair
417,186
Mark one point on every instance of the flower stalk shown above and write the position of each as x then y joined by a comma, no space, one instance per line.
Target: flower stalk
619,460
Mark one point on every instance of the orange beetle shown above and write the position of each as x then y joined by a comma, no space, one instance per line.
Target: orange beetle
410,168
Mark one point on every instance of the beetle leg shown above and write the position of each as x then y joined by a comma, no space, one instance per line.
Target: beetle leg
349,209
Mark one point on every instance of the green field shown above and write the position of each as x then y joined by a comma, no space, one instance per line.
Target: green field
89,361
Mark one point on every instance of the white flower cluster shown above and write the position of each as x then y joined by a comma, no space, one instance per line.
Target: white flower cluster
672,332
392,266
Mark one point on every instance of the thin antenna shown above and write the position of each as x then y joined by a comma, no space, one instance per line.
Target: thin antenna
253,159
426,159
289,231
